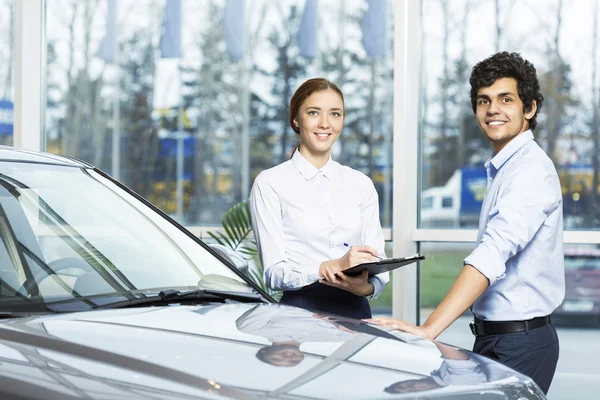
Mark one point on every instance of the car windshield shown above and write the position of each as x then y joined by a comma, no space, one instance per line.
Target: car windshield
70,233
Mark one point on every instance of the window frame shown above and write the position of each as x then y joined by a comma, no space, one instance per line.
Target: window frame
30,64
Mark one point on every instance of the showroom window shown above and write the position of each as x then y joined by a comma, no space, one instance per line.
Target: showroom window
187,101
456,35
447,202
6,71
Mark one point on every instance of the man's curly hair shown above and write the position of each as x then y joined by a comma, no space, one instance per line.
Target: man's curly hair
508,65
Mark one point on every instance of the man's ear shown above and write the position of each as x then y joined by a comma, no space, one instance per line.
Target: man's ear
532,109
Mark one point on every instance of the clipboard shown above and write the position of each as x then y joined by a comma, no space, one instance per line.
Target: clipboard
387,264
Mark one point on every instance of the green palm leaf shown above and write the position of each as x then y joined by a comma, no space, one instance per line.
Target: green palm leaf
238,236
237,224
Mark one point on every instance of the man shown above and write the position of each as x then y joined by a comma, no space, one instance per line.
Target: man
514,278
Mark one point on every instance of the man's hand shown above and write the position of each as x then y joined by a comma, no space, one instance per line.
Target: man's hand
401,326
469,285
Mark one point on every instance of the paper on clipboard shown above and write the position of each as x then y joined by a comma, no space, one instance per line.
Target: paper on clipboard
387,264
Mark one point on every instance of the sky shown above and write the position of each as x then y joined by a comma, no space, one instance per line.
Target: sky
262,16
528,27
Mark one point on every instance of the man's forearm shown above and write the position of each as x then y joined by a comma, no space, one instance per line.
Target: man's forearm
469,285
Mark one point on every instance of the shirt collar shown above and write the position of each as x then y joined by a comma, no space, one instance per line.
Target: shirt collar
510,149
308,170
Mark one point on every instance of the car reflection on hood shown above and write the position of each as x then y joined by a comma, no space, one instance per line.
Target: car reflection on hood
103,296
238,351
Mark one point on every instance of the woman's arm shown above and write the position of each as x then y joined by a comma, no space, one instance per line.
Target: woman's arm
372,245
266,212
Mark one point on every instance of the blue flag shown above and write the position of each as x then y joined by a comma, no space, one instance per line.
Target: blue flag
108,47
307,32
375,28
170,40
233,24
7,109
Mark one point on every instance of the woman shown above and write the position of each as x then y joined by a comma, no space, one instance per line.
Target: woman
314,218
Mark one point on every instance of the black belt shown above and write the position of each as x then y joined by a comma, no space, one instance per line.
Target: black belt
480,327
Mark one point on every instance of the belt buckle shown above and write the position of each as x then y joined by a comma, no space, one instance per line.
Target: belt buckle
477,328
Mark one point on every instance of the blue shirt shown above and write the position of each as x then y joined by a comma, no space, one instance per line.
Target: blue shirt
520,241
475,370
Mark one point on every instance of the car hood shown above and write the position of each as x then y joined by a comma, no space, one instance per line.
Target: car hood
239,351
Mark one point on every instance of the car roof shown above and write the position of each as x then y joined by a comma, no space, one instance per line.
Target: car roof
8,153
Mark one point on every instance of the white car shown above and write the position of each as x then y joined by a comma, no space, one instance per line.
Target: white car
102,296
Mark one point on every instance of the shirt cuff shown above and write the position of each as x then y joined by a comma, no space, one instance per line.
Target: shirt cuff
461,364
487,261
378,287
283,276
311,274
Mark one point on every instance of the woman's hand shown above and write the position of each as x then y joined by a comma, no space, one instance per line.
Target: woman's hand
331,271
357,255
354,256
358,284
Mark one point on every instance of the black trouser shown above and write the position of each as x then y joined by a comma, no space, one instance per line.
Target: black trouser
533,353
328,299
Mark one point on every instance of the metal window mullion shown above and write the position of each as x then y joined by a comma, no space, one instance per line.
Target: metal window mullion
407,48
470,236
28,33
202,231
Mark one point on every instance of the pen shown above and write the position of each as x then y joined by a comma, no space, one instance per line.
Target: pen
377,257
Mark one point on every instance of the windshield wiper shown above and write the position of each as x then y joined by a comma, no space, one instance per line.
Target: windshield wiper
172,296
10,314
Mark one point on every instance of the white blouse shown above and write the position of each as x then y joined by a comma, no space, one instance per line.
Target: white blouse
302,216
